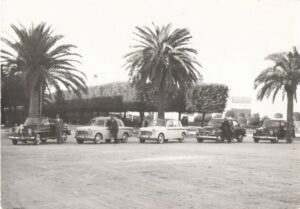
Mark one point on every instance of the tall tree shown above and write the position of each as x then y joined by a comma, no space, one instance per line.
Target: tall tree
285,76
207,98
162,55
43,64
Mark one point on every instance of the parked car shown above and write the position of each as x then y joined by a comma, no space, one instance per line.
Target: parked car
162,130
38,131
213,131
272,130
98,132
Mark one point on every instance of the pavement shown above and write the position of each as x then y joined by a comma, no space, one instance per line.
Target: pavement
153,176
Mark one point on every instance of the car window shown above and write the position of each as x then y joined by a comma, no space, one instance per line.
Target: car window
92,122
120,124
157,122
170,123
175,123
101,122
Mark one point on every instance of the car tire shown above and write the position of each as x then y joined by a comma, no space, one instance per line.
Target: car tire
79,141
15,142
98,138
37,139
160,138
230,140
125,138
219,140
199,140
182,137
107,140
240,138
142,140
256,140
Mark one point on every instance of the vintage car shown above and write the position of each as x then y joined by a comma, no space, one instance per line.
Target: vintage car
37,130
162,130
272,130
98,132
213,131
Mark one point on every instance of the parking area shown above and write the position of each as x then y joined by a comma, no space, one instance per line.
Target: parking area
133,175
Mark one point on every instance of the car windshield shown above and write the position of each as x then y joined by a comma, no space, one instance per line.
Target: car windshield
271,123
214,122
32,121
157,123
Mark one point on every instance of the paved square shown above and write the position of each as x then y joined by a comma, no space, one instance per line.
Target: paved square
133,175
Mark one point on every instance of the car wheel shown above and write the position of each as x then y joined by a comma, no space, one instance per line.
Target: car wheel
256,140
142,140
230,140
161,138
79,141
64,137
182,137
125,138
240,138
37,139
98,138
199,140
107,140
15,142
219,140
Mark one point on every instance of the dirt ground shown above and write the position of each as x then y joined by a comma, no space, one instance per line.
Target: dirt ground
133,175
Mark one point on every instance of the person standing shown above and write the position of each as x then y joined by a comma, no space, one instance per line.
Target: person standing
226,130
59,126
114,128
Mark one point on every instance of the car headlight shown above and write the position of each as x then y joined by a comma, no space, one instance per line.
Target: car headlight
153,131
29,131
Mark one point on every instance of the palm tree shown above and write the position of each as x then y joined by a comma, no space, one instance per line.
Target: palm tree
43,64
162,56
285,76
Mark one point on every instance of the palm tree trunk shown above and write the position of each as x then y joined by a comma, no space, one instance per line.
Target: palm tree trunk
161,103
290,110
34,104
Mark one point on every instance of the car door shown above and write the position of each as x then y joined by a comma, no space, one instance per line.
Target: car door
104,126
170,130
177,129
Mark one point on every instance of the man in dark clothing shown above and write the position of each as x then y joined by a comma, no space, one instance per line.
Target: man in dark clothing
226,130
114,128
59,126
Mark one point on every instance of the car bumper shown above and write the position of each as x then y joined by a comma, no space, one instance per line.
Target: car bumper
85,138
264,137
21,138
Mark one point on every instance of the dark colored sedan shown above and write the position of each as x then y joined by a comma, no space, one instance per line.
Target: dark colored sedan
213,131
273,131
38,131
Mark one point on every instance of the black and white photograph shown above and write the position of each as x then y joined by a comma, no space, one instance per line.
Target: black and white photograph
148,104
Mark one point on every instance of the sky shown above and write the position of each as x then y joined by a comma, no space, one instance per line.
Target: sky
232,37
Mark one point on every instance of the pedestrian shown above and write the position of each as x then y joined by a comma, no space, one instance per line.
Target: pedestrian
114,128
59,126
226,130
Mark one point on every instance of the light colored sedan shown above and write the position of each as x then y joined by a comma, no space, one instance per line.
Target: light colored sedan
98,132
162,130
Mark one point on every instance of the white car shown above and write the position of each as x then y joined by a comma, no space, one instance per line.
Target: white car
162,130
98,132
